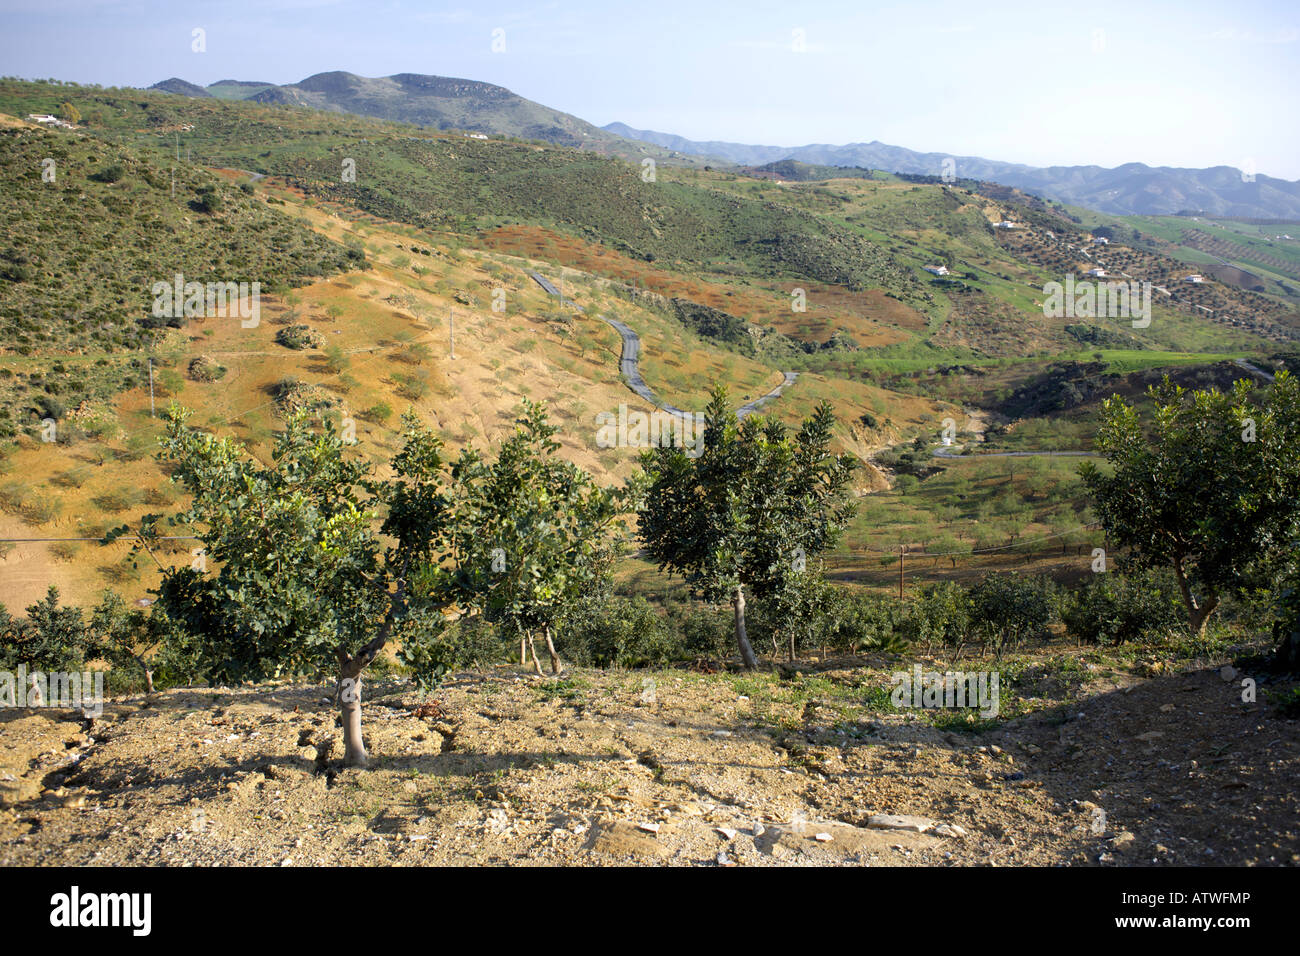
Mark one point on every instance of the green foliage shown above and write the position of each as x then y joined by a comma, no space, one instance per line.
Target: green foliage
1287,702
51,638
1211,489
939,613
800,607
531,532
866,623
616,631
1008,609
128,638
751,510
1117,608
302,583
108,227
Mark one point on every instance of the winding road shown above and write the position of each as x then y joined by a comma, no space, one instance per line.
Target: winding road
1254,370
947,453
628,364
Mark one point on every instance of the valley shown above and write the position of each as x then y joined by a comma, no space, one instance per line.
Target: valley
305,381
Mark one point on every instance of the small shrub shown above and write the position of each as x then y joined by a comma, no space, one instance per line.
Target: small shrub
203,368
299,337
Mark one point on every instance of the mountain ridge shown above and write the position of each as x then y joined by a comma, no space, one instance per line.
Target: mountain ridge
1131,188
475,106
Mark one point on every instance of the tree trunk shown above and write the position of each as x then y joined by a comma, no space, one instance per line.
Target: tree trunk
742,639
148,680
354,748
792,646
1197,614
350,668
523,649
550,649
532,647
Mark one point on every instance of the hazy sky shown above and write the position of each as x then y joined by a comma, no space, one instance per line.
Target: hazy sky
1165,83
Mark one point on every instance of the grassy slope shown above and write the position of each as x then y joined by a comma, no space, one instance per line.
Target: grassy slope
380,319
446,221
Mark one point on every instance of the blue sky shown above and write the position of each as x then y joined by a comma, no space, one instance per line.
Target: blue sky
1180,84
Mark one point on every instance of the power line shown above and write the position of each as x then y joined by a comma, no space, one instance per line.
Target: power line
944,554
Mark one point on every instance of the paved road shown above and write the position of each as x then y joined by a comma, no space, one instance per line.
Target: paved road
628,364
544,282
948,453
1254,370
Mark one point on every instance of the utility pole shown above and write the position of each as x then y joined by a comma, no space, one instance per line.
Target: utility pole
902,556
151,408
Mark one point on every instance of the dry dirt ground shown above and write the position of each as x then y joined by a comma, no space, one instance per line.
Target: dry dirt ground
671,767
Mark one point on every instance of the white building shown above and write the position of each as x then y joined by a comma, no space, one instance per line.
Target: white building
937,270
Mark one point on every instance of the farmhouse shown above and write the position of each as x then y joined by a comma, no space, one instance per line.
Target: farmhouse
1194,278
45,119
1096,273
937,270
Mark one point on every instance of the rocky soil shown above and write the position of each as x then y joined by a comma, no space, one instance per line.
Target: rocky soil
672,767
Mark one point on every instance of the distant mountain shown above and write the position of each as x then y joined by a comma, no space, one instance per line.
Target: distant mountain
180,87
437,101
1133,188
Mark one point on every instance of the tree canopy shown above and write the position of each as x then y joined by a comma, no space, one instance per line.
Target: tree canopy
751,510
1209,488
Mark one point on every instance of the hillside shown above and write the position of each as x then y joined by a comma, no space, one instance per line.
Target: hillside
110,225
1130,189
382,345
706,266
435,102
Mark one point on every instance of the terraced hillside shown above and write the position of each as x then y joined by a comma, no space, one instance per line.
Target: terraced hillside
89,229
723,277
363,344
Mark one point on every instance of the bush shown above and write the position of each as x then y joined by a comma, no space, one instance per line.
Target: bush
940,613
109,174
1010,609
1115,609
619,632
866,622
203,368
431,647
51,638
208,200
378,413
299,337
47,406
